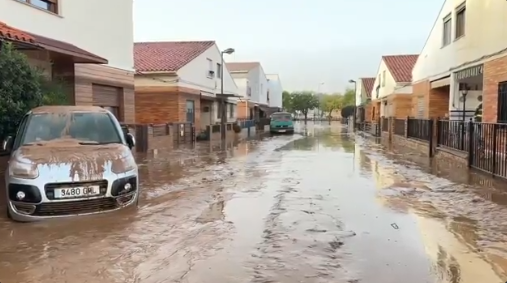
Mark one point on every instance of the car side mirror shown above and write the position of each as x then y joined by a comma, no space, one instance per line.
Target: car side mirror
7,144
131,141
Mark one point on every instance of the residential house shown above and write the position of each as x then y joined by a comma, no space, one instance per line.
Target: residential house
364,86
253,88
392,93
275,92
94,57
181,82
465,56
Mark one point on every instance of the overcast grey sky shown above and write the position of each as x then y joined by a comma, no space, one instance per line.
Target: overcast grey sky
304,41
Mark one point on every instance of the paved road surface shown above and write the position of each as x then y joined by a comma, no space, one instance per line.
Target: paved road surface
316,208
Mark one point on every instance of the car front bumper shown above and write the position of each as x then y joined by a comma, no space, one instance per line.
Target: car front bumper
47,207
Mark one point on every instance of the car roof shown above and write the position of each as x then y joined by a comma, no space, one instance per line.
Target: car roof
67,109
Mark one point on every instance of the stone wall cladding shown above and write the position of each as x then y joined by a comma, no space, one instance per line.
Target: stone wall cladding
415,145
454,159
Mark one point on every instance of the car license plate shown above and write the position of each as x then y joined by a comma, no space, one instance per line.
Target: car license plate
77,192
281,131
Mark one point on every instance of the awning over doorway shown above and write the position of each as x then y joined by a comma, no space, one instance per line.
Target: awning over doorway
441,82
26,40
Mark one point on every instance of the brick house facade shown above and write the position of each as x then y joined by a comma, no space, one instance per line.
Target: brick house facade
495,72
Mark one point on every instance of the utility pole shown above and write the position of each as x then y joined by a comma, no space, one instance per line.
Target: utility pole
223,115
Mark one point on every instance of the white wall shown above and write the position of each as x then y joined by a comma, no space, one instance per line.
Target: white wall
195,74
104,28
275,91
359,90
263,86
485,33
403,89
258,82
389,86
242,84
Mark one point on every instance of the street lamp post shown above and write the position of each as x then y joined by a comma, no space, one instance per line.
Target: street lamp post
355,102
223,116
463,98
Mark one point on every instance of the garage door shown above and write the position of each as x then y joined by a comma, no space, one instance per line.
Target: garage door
107,97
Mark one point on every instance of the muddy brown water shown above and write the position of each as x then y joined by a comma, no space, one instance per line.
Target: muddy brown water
318,207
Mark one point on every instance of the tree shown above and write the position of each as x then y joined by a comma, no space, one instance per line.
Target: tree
287,101
349,98
347,111
20,88
304,101
54,91
331,102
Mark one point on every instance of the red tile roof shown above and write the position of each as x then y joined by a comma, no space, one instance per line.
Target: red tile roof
368,85
13,34
241,66
400,66
80,55
169,56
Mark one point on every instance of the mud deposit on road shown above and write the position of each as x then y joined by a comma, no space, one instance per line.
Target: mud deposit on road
313,207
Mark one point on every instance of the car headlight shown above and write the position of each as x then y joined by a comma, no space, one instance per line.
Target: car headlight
123,165
23,170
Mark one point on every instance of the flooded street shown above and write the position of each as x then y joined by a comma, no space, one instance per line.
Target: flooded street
324,206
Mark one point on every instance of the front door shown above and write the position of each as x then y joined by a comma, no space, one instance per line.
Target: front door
190,111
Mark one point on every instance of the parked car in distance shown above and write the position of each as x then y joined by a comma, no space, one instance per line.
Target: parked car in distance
67,161
281,122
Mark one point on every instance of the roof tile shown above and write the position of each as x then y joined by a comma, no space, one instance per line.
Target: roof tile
13,34
400,66
168,56
368,85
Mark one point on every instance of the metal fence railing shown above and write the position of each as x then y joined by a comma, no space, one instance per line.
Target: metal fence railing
420,129
385,124
400,127
488,147
485,144
453,134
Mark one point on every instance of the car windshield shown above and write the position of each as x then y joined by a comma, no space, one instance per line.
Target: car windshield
281,117
92,128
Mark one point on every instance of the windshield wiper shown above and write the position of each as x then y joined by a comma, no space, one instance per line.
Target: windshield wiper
96,143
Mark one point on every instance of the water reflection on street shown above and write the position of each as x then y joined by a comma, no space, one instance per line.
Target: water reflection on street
319,206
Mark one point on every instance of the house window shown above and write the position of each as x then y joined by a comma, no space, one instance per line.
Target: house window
502,103
379,80
420,107
231,110
219,70
48,5
248,89
447,31
190,111
460,21
383,78
210,72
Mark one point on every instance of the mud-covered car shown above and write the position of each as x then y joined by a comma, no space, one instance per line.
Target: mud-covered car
67,161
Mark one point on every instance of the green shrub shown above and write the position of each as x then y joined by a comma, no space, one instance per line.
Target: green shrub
236,128
20,88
